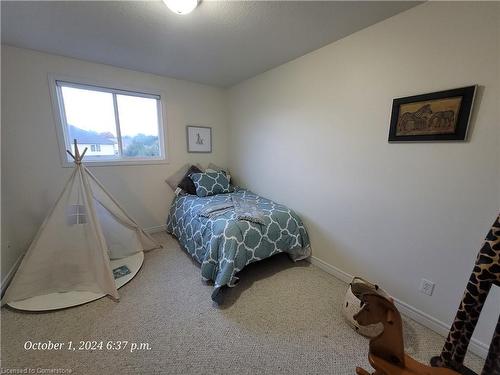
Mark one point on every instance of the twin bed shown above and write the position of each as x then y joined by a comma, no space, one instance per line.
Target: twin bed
214,232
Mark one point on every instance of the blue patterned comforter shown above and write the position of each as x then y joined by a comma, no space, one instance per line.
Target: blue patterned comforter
224,245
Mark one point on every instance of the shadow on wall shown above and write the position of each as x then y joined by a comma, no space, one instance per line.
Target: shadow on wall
319,236
475,110
136,200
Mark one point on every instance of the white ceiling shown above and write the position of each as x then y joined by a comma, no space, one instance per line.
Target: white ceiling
221,43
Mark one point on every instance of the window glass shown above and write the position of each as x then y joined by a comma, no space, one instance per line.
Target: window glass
139,126
113,124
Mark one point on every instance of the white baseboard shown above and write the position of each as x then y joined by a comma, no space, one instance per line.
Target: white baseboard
477,347
159,228
332,270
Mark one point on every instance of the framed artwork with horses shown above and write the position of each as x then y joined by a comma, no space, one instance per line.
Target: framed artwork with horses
438,116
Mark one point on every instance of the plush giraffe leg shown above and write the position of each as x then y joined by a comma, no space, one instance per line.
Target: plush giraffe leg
456,331
473,304
486,272
492,364
457,342
467,316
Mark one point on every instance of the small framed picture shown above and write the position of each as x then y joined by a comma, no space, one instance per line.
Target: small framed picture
199,139
438,116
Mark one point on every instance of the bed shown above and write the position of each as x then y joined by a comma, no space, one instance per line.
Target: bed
224,244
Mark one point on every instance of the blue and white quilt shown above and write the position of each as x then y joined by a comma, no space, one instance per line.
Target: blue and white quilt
214,234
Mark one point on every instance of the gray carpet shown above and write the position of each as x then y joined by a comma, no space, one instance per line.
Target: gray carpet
283,318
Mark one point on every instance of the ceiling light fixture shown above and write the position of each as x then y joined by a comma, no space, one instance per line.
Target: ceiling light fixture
181,6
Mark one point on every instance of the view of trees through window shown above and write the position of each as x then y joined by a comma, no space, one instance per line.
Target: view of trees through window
141,145
111,124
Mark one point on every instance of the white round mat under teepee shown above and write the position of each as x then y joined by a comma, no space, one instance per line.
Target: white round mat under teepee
56,301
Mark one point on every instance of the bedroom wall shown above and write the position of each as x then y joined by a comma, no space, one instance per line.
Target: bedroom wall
312,134
32,175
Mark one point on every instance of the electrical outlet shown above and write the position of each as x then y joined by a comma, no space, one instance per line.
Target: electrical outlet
427,287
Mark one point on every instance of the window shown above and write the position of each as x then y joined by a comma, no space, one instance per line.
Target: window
77,214
116,126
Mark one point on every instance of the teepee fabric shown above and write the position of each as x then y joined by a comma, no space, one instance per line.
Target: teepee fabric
72,249
123,236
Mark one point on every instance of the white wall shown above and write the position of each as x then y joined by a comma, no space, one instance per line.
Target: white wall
32,177
312,134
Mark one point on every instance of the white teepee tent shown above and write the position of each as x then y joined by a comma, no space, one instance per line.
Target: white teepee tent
71,259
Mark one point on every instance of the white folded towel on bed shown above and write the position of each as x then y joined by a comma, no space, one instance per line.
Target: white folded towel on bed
247,209
216,209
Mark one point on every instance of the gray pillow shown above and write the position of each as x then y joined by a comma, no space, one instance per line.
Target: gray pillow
216,168
174,180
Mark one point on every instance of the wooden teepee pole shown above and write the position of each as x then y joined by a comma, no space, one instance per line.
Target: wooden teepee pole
77,157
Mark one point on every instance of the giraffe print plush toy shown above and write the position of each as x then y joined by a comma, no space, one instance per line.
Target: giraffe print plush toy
486,273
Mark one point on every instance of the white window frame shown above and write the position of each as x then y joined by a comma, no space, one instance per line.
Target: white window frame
62,127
